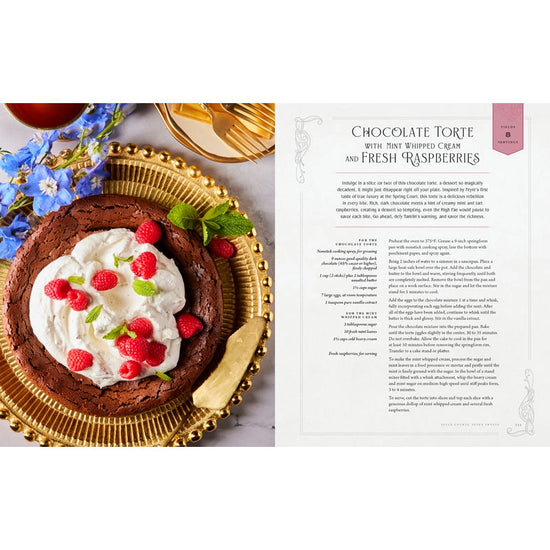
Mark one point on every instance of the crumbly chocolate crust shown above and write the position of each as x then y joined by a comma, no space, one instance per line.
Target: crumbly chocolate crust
57,235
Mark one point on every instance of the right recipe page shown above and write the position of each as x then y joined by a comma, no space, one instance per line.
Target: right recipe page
413,274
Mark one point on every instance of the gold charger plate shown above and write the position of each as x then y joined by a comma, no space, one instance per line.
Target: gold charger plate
141,172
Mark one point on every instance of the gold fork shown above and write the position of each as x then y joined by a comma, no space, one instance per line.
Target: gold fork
228,127
259,115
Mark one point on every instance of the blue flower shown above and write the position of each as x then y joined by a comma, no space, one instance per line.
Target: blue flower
40,144
105,108
13,236
22,161
7,196
29,155
95,119
89,125
97,151
91,183
50,188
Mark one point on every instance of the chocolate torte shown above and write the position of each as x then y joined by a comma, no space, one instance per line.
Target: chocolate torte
56,236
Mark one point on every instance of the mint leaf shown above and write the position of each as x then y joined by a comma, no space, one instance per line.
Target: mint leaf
232,224
218,221
164,376
117,259
183,215
76,280
212,225
115,333
207,233
216,211
119,331
94,314
144,288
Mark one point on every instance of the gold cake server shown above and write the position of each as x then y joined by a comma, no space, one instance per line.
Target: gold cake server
216,391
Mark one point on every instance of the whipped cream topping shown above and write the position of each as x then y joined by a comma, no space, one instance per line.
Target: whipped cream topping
59,328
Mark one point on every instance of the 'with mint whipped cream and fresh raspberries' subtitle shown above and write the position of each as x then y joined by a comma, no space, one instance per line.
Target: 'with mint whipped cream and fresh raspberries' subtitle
107,309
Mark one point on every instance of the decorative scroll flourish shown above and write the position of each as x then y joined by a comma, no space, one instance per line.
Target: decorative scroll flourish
303,141
526,408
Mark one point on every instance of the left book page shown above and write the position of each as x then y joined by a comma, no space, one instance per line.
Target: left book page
411,274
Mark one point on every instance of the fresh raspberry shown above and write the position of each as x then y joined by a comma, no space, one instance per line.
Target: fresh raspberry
148,232
137,348
129,369
221,248
141,326
121,342
77,300
79,359
145,265
188,325
57,289
104,280
156,354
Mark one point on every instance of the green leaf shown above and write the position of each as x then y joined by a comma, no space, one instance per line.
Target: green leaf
119,331
144,288
212,225
94,314
115,333
164,376
207,233
183,215
218,221
117,259
76,280
233,224
216,211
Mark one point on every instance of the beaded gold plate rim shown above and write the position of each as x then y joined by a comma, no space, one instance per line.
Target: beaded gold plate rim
164,179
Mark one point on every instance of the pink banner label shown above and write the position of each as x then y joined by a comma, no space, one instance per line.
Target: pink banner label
507,127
